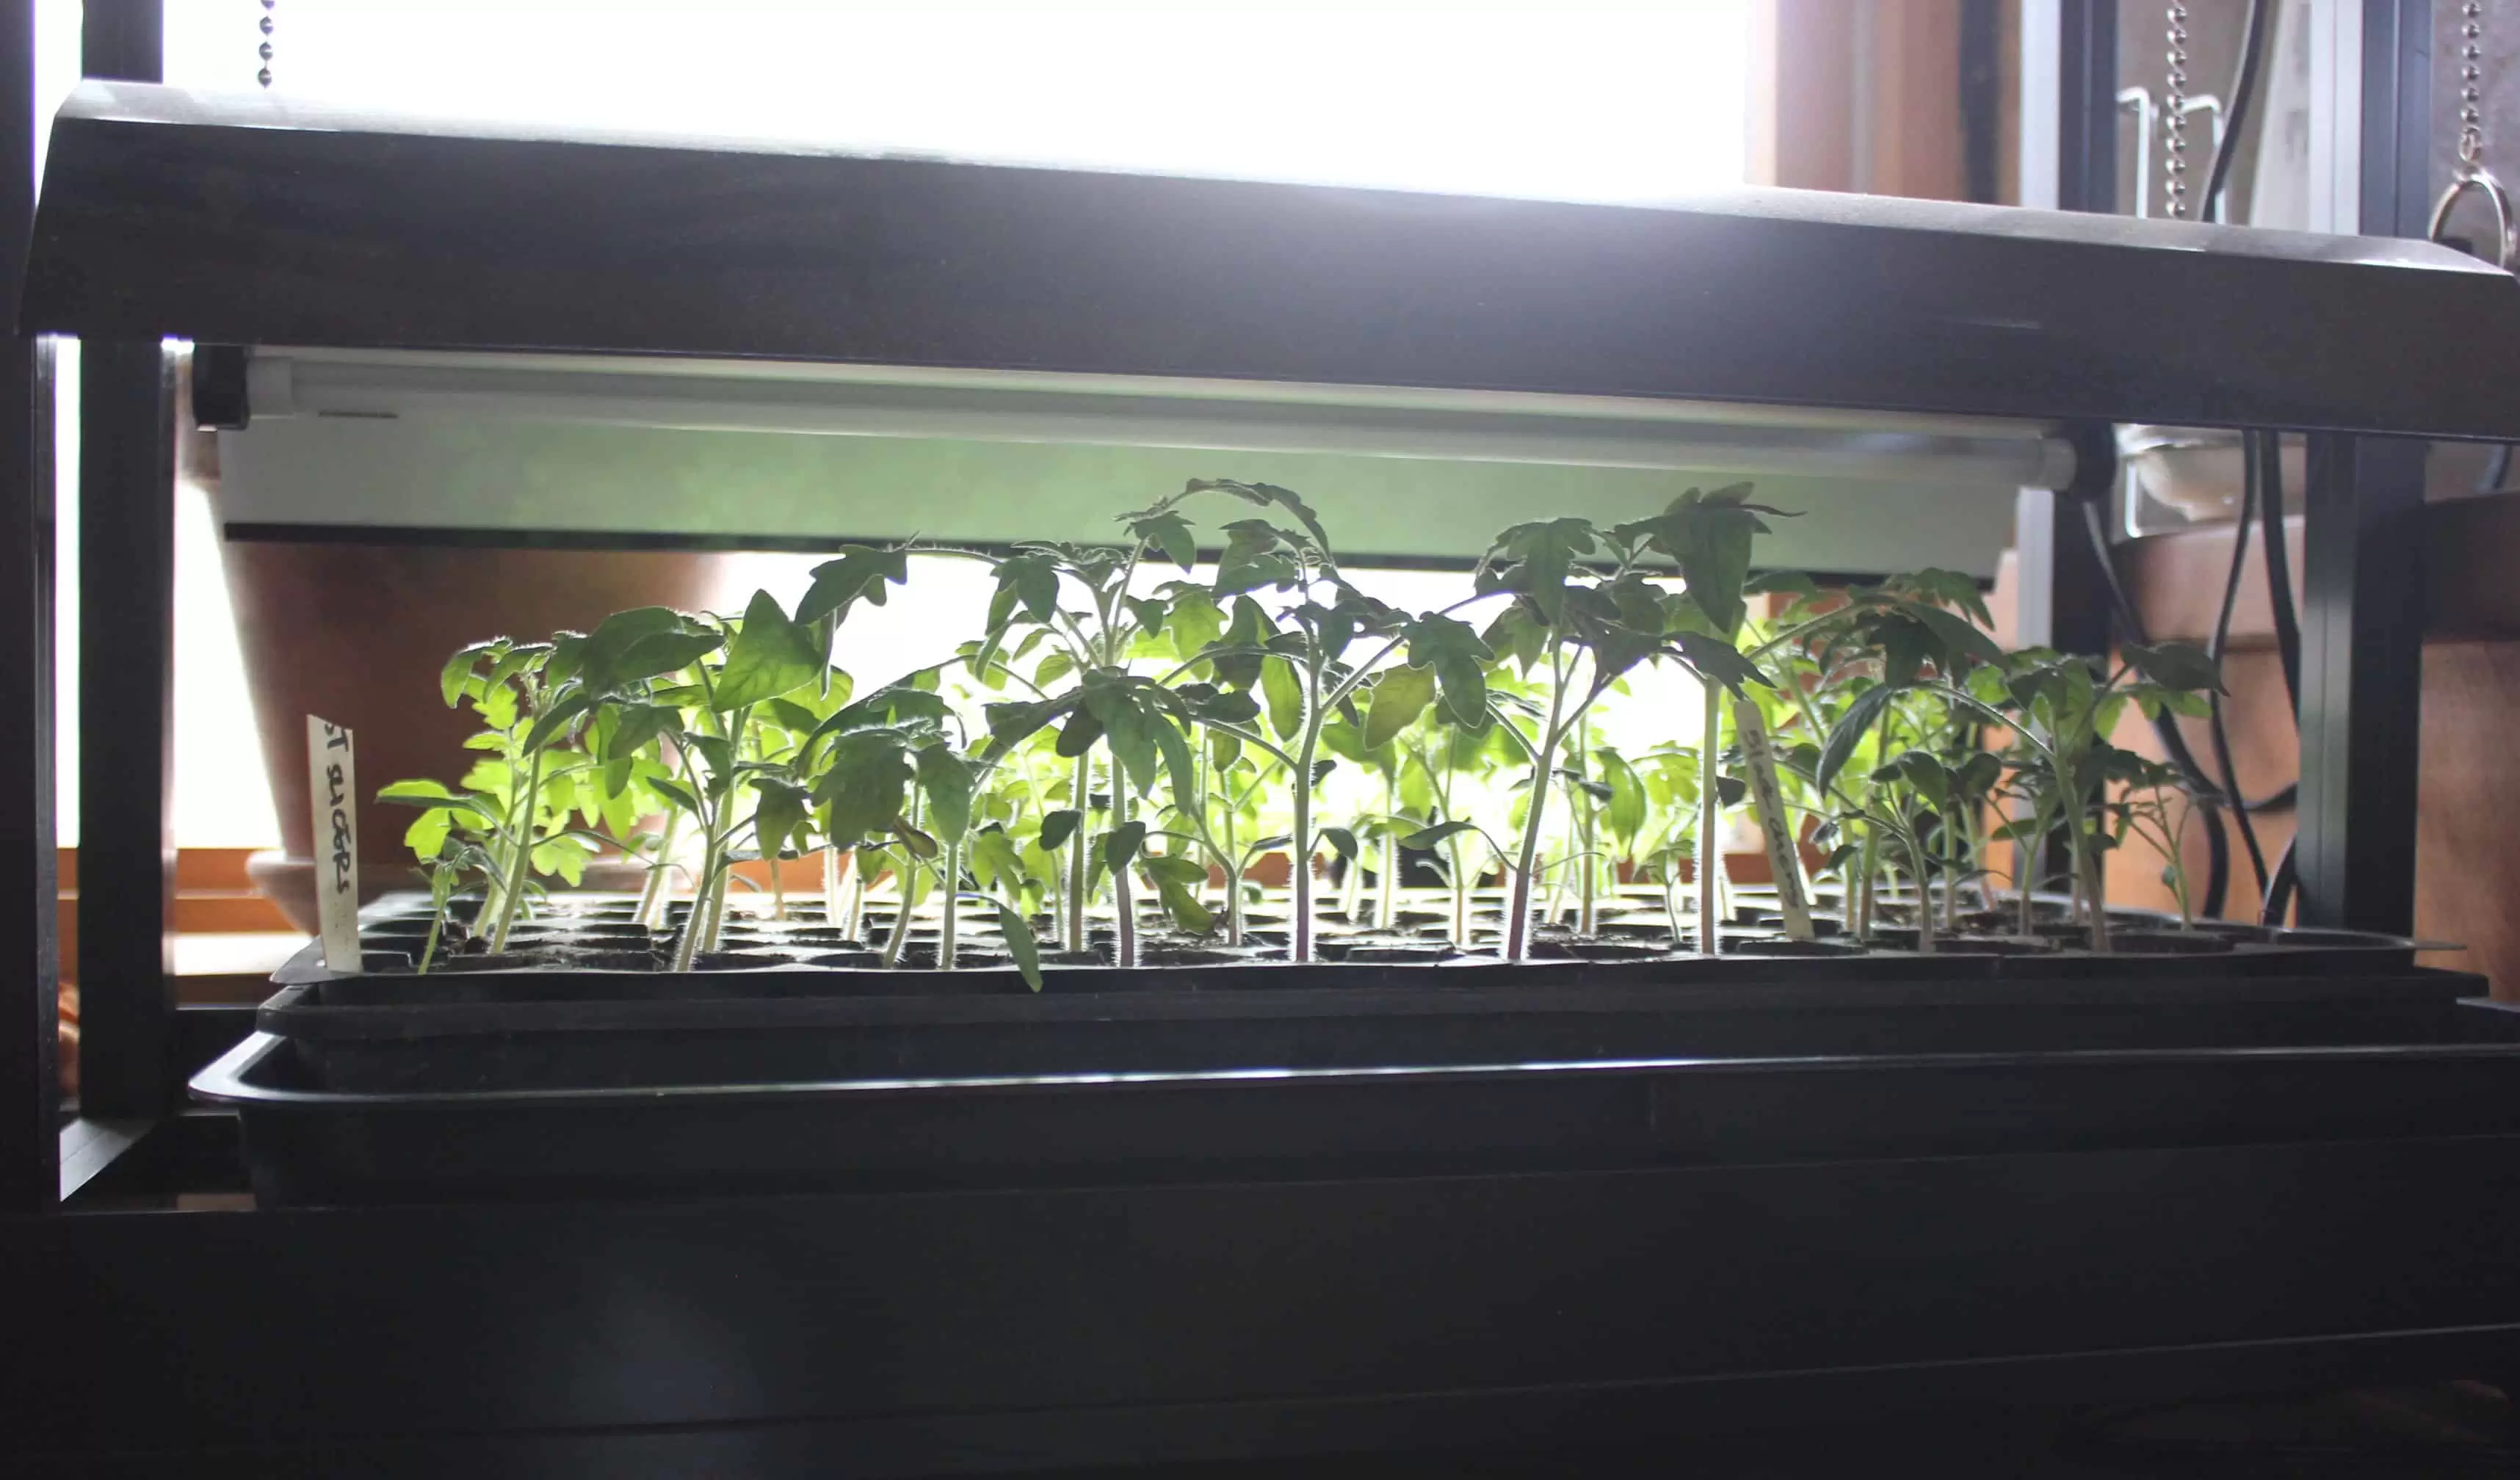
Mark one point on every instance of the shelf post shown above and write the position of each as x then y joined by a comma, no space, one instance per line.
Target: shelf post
2361,629
127,673
29,947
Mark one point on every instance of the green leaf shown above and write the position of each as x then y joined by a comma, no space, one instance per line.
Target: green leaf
1518,635
1709,536
1256,554
1183,904
865,782
421,791
1341,839
675,792
1029,581
947,783
1170,533
605,658
427,831
1849,732
770,655
1961,642
1716,659
1283,693
1458,659
1626,814
994,858
1193,622
1400,696
1180,766
1948,588
1011,722
498,708
1270,495
1540,554
1428,838
1079,734
1020,945
778,814
450,678
2181,666
1129,728
1057,827
557,719
1121,844
1250,629
858,575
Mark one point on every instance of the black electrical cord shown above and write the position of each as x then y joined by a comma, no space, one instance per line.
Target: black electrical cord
2277,901
2265,451
2215,726
2244,93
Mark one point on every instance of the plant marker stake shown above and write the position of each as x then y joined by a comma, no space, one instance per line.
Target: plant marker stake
1767,803
332,777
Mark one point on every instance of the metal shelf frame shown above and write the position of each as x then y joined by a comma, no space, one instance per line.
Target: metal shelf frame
406,1340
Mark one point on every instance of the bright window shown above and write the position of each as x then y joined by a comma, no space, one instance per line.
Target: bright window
1580,99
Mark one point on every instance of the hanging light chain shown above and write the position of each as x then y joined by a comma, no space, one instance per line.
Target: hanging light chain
265,76
2472,84
2174,116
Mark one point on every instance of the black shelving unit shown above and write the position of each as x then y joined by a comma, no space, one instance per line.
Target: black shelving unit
1114,1319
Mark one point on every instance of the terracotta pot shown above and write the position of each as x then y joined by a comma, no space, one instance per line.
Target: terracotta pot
357,634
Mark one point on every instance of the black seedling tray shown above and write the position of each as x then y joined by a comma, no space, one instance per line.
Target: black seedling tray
2401,1060
569,1082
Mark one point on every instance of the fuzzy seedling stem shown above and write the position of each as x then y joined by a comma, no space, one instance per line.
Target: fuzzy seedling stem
695,923
1587,909
652,894
899,935
1080,795
1352,891
1710,846
1124,938
514,891
853,917
1517,910
717,904
1386,882
946,948
1300,854
1924,898
1867,863
832,891
2095,892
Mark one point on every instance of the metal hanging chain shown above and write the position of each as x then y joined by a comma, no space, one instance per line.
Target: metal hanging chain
264,77
2472,84
2471,173
2174,117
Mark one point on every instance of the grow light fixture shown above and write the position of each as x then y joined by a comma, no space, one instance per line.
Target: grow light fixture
768,453
1009,406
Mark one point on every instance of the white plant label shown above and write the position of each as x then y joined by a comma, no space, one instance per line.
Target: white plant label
331,789
1767,799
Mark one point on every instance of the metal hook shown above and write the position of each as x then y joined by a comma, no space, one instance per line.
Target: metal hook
2477,177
